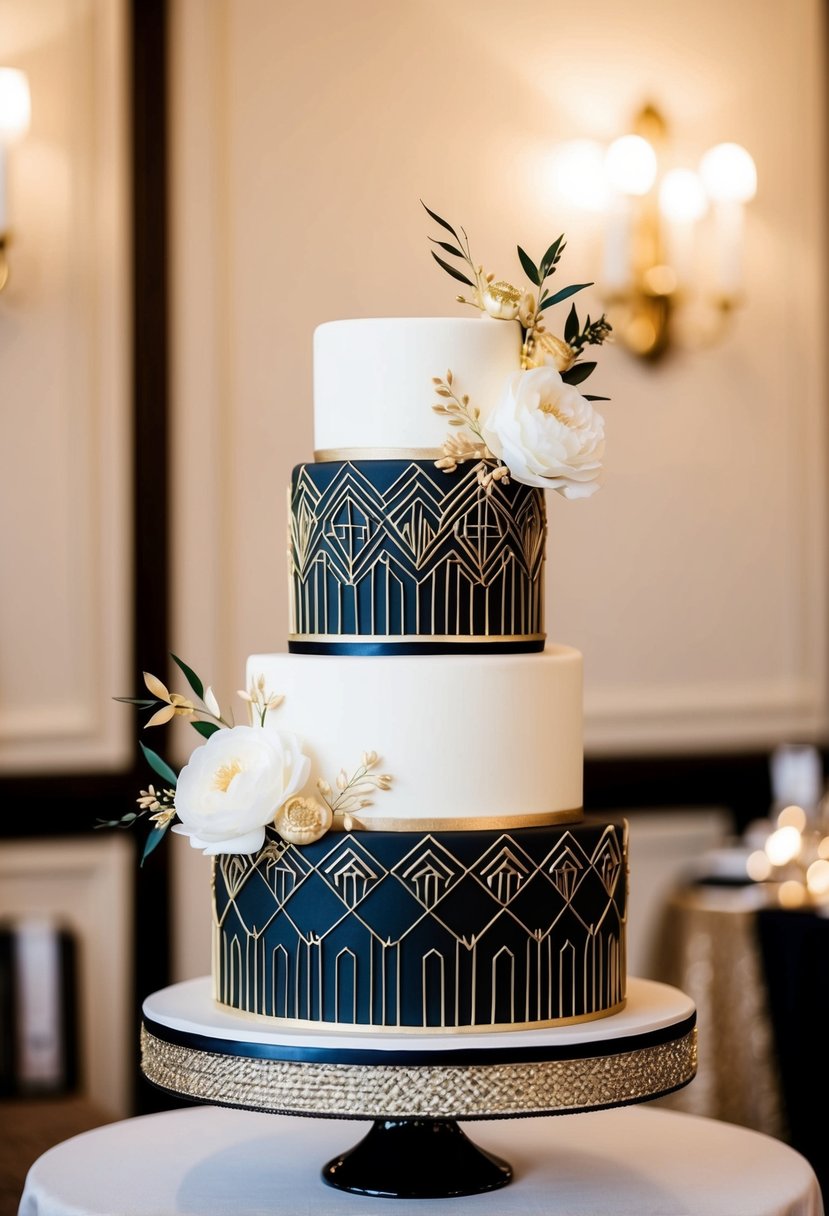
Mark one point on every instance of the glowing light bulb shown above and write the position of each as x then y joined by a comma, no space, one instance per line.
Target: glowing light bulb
817,877
791,894
15,113
792,817
15,105
682,196
783,846
729,174
579,176
631,165
758,866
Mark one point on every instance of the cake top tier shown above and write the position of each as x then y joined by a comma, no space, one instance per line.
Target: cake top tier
374,380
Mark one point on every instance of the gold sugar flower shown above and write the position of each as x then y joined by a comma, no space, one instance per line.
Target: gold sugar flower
303,820
552,351
175,702
502,300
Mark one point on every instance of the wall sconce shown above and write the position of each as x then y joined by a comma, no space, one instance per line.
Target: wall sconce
15,113
652,264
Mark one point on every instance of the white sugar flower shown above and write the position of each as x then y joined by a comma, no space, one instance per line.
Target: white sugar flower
234,784
547,434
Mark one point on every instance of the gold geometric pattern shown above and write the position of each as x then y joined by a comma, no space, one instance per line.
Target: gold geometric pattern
430,555
482,933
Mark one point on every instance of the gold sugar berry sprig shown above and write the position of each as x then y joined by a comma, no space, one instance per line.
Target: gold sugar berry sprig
206,719
259,700
503,301
458,448
353,793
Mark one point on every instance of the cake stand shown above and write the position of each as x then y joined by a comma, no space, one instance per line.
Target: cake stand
415,1087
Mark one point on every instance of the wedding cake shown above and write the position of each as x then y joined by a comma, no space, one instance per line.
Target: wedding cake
398,838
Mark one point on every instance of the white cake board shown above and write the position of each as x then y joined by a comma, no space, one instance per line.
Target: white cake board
189,1008
193,1047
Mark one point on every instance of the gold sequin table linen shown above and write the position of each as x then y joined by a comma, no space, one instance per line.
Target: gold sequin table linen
708,948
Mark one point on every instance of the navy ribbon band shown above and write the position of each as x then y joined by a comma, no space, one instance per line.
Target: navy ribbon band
412,647
460,1055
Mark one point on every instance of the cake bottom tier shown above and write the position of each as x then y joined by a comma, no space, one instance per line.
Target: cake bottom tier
436,931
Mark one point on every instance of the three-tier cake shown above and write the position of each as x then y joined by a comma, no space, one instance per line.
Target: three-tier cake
398,835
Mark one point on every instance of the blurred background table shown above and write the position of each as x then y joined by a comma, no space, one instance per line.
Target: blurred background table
759,975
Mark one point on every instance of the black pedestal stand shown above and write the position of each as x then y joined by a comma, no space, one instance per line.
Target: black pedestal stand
416,1159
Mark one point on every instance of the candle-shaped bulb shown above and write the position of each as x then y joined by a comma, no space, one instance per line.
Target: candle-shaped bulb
729,174
15,114
631,165
15,105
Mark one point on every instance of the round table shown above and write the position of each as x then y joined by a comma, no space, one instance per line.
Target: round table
629,1161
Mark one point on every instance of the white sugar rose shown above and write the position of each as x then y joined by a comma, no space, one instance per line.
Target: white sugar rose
234,784
547,434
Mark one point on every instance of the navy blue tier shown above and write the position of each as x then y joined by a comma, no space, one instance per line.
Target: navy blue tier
396,556
484,929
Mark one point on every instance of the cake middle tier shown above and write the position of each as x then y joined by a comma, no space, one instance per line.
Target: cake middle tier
469,742
398,556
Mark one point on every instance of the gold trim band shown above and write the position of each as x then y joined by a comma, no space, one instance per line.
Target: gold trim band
472,823
322,455
420,1091
426,638
264,1019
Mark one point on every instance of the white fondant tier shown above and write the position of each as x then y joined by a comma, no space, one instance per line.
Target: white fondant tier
373,378
465,739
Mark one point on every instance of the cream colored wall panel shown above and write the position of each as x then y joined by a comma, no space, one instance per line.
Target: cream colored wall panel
65,383
695,582
86,887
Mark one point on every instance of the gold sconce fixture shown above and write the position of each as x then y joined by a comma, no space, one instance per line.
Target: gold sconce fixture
15,113
672,271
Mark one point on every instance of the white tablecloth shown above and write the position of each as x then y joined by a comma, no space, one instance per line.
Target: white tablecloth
639,1160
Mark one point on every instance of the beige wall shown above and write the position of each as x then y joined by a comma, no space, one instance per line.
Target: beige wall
303,138
65,369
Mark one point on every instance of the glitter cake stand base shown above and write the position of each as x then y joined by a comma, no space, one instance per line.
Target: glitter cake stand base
417,1086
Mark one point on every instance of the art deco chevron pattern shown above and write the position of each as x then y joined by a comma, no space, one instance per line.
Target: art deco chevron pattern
452,929
385,548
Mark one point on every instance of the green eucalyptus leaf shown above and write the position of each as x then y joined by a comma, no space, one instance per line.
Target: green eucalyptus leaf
205,728
564,294
552,255
154,839
456,274
530,268
571,325
440,221
593,397
578,373
190,675
140,702
158,765
457,253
